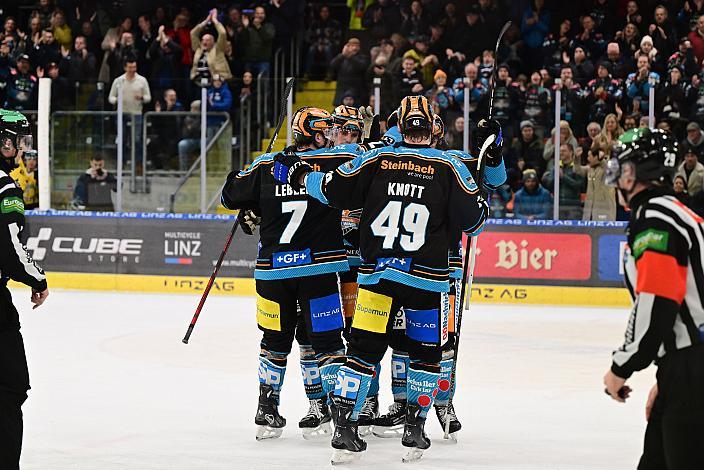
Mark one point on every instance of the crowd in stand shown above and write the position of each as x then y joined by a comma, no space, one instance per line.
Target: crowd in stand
604,56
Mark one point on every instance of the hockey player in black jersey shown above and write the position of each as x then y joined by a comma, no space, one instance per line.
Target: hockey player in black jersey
16,264
412,197
664,273
300,253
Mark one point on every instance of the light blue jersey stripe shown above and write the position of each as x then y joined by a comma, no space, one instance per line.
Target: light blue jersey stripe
299,271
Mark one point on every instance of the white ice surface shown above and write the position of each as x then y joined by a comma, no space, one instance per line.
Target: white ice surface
114,388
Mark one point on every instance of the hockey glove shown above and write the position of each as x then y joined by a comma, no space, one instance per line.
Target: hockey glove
289,168
248,221
485,128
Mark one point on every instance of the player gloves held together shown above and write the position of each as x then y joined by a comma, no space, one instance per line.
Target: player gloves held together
289,168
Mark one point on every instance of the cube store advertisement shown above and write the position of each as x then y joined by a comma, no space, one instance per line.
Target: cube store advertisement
510,251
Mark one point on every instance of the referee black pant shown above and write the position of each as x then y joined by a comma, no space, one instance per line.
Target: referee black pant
14,383
674,438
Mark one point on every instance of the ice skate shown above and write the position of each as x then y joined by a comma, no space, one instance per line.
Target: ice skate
370,411
390,425
414,437
316,423
270,424
346,443
443,411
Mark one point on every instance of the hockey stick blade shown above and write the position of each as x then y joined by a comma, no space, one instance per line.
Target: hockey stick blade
187,337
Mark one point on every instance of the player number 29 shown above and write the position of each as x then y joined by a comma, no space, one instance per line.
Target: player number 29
415,221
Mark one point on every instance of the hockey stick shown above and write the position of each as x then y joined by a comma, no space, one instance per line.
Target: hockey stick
471,257
282,115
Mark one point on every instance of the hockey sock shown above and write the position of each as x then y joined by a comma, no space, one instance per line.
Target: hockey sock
374,387
422,385
444,392
352,386
399,372
272,367
311,374
328,365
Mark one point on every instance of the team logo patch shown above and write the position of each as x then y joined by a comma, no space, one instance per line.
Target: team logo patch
371,312
650,239
347,385
402,264
310,374
398,368
326,313
291,258
422,325
268,314
269,374
12,204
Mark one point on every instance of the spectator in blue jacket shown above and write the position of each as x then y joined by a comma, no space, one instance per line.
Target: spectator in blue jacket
219,95
532,201
535,25
638,84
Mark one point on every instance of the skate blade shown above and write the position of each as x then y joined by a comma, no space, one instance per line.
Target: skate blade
343,456
389,432
412,455
311,434
451,438
267,432
365,430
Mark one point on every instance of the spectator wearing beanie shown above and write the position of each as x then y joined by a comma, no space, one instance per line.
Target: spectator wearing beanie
694,141
440,95
526,153
532,201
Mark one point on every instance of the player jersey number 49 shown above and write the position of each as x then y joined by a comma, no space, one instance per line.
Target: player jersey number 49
415,222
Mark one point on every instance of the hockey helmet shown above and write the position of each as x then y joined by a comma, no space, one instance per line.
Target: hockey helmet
392,120
438,128
347,117
415,113
653,153
307,121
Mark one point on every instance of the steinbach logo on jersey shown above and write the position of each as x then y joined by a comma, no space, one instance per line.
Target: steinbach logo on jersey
95,249
407,165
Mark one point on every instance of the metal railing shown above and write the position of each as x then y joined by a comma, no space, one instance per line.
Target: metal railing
184,179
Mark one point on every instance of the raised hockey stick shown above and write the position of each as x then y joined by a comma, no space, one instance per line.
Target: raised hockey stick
282,115
470,258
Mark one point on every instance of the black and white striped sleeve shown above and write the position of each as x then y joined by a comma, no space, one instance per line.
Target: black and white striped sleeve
15,261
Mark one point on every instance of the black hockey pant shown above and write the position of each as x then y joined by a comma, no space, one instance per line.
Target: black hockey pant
14,383
674,438
320,313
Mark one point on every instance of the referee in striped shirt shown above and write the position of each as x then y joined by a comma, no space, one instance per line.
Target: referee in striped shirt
664,273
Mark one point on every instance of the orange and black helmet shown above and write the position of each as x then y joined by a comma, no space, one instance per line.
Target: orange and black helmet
309,120
438,128
415,113
347,117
